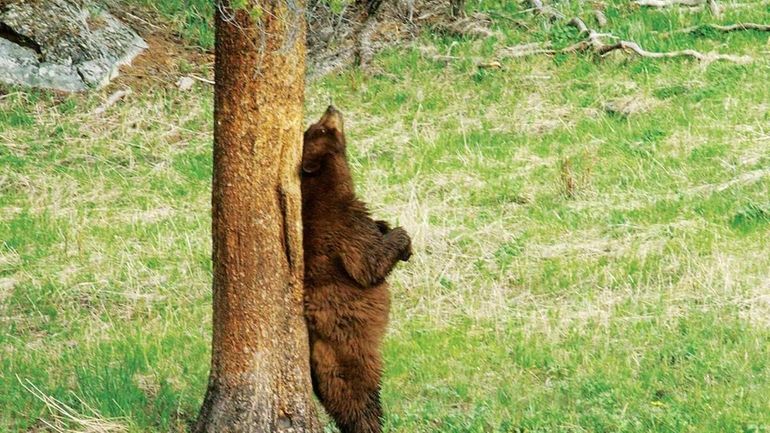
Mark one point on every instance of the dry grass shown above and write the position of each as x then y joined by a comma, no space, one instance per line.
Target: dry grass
65,419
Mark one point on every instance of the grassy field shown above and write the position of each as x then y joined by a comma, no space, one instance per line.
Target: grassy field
578,268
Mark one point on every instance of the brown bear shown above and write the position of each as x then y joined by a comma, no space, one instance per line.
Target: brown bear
347,257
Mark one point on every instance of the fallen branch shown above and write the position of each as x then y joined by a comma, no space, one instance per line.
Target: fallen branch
526,50
518,23
601,19
141,20
668,3
581,26
594,43
494,64
703,57
546,11
114,98
660,4
714,8
727,28
364,49
474,26
431,53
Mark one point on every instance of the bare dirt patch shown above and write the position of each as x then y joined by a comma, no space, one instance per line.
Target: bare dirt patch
167,58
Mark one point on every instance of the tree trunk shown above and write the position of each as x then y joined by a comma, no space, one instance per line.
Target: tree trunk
458,8
260,374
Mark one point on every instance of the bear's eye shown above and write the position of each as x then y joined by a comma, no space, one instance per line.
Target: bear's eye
323,130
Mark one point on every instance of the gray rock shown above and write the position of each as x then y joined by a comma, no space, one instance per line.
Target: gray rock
185,83
69,45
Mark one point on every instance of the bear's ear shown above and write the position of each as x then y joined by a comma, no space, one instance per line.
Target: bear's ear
311,165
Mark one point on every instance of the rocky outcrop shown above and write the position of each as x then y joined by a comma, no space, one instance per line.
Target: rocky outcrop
68,45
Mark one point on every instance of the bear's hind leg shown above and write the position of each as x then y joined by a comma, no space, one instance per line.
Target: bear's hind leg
349,391
362,415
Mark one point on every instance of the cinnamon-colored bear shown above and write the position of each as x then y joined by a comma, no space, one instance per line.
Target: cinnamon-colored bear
347,257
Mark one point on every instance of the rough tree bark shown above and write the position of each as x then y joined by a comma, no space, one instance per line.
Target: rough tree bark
260,375
457,8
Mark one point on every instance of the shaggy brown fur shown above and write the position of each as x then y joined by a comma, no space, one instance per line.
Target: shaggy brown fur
347,257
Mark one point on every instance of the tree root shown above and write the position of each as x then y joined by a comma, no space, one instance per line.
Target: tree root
593,43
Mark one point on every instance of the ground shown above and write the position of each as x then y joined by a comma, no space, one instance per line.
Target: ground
590,234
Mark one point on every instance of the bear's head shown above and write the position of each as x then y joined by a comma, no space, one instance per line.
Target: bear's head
323,143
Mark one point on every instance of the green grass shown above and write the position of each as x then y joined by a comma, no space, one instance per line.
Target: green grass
191,19
638,301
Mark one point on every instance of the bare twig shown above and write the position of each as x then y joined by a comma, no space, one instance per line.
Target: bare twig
10,95
114,98
201,79
142,20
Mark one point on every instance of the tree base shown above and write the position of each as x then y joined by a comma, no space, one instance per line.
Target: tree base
246,408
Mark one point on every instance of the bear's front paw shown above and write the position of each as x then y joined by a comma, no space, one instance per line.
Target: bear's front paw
406,254
404,243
